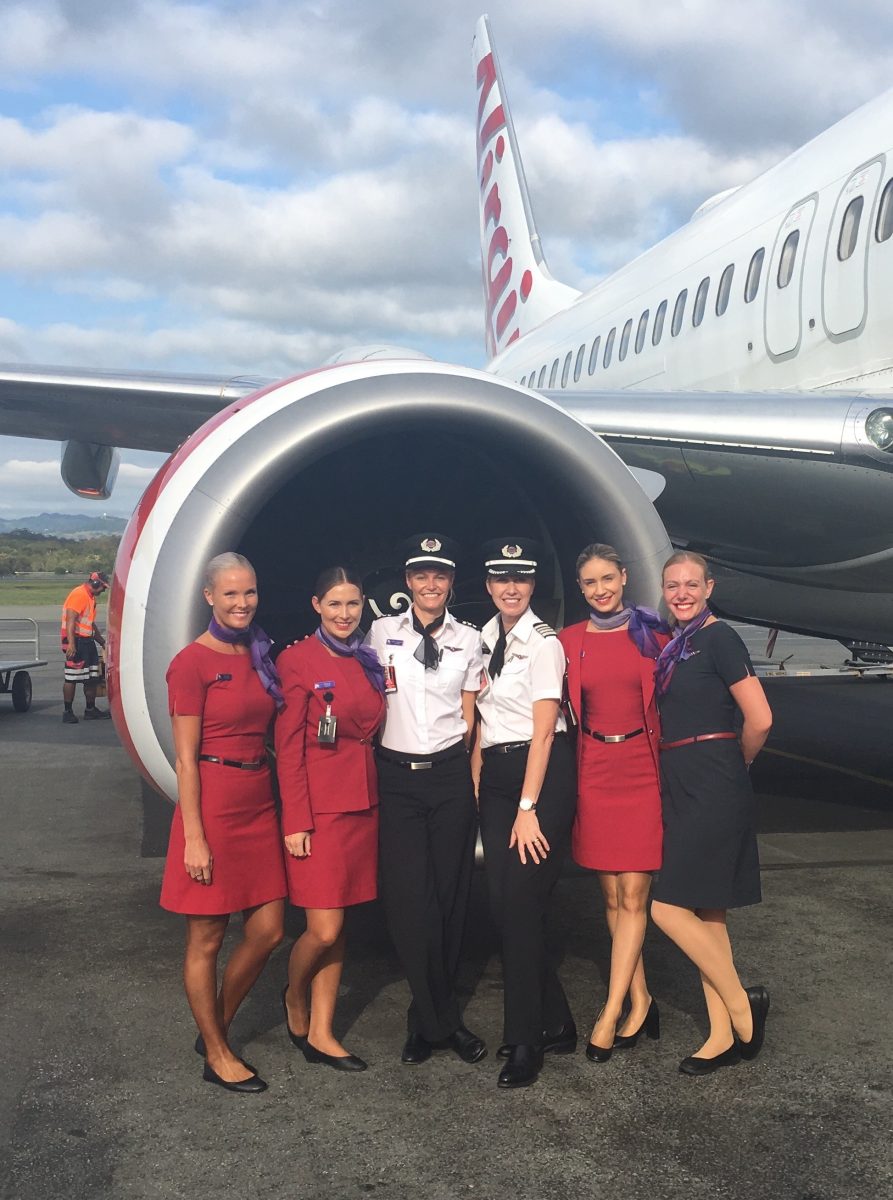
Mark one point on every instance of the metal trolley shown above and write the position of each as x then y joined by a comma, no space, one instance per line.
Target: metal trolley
14,671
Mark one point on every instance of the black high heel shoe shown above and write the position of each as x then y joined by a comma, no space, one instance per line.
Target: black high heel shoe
651,1025
342,1062
599,1054
297,1039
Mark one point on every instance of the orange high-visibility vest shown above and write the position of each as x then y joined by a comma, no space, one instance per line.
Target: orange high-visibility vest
83,602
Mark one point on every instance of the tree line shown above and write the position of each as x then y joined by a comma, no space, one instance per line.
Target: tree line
22,551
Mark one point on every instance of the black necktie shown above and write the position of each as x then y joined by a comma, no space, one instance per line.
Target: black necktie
426,651
497,659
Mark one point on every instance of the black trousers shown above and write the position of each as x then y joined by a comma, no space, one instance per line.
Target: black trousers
519,893
427,832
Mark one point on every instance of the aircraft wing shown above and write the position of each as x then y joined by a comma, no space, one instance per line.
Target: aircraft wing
133,410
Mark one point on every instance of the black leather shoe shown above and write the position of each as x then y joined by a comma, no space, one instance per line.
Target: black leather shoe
706,1066
200,1049
562,1042
651,1025
415,1050
467,1045
599,1054
297,1039
341,1062
254,1084
504,1050
522,1068
759,1010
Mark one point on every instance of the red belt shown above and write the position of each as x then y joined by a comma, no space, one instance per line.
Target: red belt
699,737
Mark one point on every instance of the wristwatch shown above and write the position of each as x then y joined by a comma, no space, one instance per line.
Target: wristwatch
526,804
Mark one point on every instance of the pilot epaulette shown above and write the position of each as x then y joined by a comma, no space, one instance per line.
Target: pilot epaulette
545,630
470,624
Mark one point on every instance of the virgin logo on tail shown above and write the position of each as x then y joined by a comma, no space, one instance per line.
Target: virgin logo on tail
501,297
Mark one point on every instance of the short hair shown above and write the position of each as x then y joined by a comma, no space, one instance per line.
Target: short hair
681,556
332,577
228,561
598,550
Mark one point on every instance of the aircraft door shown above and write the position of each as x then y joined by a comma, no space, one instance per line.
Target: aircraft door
844,277
784,280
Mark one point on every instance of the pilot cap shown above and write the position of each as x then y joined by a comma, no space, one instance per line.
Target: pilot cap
98,579
511,556
429,550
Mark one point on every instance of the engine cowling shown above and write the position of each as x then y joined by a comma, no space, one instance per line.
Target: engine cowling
340,465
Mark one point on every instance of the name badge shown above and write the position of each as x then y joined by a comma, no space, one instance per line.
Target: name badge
394,642
224,678
323,684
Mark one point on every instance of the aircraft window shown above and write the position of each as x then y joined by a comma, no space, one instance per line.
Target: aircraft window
593,355
884,227
788,258
609,347
657,330
624,339
641,331
849,228
566,369
752,283
697,313
542,378
553,374
578,363
724,291
679,312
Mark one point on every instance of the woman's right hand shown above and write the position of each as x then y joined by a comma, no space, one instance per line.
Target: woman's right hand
198,860
298,844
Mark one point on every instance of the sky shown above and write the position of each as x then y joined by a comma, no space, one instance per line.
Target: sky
253,187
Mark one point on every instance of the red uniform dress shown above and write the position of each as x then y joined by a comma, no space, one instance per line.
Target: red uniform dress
618,826
237,807
330,791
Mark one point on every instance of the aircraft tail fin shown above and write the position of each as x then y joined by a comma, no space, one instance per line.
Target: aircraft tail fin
519,291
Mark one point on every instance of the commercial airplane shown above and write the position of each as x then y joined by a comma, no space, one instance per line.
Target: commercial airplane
728,391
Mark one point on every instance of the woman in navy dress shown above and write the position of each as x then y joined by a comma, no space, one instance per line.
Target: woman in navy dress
707,687
224,854
329,792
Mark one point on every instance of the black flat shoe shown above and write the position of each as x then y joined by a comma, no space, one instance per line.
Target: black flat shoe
564,1041
706,1066
759,1010
199,1048
246,1086
295,1038
341,1062
522,1068
416,1049
651,1025
467,1045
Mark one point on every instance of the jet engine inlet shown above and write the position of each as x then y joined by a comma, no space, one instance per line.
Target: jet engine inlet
340,466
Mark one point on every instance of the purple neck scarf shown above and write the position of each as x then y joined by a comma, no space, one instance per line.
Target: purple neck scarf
677,650
353,647
259,646
643,624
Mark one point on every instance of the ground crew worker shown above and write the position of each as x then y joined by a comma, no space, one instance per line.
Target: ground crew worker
79,638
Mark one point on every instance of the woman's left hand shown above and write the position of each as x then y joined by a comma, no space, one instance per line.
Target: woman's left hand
529,838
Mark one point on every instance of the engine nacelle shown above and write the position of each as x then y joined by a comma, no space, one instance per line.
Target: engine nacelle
339,466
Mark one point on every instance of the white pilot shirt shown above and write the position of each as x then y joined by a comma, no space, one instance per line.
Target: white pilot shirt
534,670
424,715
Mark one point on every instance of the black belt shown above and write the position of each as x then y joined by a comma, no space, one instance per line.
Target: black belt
611,737
505,748
421,762
232,762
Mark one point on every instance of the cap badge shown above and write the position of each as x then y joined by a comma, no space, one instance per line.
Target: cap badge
512,551
432,545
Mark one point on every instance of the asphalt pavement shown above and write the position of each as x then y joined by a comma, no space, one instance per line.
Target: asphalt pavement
101,1094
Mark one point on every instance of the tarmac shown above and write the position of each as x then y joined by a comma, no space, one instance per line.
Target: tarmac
101,1093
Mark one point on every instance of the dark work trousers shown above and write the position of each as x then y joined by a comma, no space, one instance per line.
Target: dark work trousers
519,894
427,832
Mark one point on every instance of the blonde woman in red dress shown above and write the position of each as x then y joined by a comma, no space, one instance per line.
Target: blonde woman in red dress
224,854
618,827
329,788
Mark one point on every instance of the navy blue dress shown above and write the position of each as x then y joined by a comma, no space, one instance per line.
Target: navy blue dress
710,844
